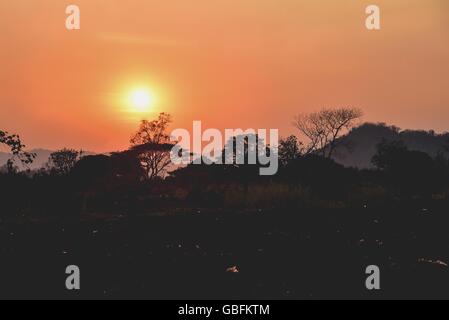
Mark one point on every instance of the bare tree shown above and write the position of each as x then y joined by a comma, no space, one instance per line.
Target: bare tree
151,144
16,147
324,128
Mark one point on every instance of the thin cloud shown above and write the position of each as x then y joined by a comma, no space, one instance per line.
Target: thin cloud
136,39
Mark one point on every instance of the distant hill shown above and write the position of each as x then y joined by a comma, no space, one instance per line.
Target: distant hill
41,159
359,145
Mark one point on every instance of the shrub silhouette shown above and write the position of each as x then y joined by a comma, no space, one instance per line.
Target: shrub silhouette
412,172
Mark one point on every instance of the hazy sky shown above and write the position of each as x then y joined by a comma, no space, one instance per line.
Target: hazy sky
229,63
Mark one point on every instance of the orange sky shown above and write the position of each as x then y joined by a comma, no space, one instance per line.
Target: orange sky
229,63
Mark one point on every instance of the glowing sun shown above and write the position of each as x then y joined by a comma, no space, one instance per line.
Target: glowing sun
141,100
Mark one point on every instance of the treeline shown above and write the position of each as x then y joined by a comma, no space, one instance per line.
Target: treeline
142,179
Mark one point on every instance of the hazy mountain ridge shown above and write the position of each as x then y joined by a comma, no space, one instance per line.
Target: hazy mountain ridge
40,161
359,145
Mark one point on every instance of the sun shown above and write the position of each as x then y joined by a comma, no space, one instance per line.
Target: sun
141,99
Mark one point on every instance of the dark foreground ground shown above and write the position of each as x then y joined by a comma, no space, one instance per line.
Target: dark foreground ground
185,255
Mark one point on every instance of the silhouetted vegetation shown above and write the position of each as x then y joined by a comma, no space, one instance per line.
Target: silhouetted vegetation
16,148
138,180
62,162
152,145
324,128
197,221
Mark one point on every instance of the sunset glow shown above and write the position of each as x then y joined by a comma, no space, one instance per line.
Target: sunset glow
141,100
231,150
230,64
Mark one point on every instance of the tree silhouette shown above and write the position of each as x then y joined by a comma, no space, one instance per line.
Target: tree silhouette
244,149
16,147
390,155
324,128
63,161
151,144
410,171
290,149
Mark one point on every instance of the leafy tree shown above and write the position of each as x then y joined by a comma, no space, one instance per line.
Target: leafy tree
324,128
412,172
245,149
290,149
151,143
16,147
63,161
390,155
